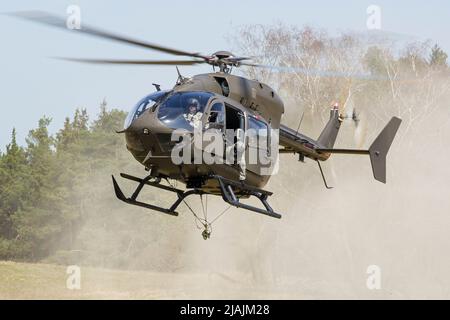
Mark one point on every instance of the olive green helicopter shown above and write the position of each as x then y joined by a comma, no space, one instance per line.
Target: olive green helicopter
167,122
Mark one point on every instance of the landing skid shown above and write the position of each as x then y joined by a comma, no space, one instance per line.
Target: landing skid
228,189
229,196
146,181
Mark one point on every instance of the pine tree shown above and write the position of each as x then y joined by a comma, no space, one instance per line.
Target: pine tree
65,136
80,120
38,221
438,58
13,191
108,121
40,154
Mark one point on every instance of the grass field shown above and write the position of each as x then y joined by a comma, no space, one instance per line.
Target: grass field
46,281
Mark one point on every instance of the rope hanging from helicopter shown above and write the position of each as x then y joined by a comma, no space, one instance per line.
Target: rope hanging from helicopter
205,224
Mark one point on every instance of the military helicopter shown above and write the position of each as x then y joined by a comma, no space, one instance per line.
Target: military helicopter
219,101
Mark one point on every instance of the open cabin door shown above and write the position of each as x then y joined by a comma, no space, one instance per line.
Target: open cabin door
235,126
227,122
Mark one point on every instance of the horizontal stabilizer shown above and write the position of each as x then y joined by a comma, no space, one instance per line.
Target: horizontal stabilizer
377,151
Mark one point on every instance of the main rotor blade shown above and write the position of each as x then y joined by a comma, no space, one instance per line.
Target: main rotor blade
237,59
49,19
134,62
314,72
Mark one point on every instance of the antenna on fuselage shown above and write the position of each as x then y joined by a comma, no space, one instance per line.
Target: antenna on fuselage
180,79
300,122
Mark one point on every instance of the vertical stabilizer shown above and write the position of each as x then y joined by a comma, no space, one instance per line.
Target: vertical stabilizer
380,147
329,134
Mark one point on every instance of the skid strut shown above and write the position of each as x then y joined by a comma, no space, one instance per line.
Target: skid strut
228,187
230,191
146,181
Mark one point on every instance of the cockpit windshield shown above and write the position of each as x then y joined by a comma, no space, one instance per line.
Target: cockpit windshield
144,104
184,110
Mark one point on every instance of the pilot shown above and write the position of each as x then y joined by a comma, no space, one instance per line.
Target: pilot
193,115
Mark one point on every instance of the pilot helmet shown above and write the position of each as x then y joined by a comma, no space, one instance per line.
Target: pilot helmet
192,102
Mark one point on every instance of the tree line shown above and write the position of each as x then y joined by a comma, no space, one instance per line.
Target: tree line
40,205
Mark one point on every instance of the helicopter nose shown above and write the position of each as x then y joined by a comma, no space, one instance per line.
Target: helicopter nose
133,141
133,136
147,134
143,136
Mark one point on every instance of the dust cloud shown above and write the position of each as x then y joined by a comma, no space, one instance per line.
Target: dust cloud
326,239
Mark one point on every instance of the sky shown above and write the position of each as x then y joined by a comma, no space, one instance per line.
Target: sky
33,85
